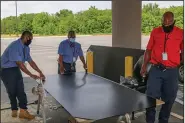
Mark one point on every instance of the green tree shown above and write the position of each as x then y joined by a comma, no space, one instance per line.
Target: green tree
39,21
25,22
90,21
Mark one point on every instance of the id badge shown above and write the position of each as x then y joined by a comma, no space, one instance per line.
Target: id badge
74,59
164,56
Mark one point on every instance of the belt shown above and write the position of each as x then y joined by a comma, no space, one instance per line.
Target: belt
69,63
167,67
9,68
162,67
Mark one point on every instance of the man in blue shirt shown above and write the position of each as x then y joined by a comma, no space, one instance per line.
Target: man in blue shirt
12,60
68,51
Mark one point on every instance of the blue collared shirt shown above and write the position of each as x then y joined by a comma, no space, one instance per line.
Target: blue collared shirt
16,51
68,52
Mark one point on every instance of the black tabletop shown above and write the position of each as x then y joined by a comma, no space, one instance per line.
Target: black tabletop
92,97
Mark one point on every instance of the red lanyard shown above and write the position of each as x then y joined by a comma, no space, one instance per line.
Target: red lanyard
165,40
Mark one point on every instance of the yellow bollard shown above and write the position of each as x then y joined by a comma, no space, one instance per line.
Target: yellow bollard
90,62
128,66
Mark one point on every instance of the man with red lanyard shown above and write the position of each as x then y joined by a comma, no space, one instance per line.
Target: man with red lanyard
68,51
163,52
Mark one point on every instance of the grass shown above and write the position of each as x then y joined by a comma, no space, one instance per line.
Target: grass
13,35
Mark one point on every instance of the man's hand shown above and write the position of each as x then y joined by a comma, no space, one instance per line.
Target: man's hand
83,61
147,57
34,76
85,66
143,71
42,76
61,69
35,67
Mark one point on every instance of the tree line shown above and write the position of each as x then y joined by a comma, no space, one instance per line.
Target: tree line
91,21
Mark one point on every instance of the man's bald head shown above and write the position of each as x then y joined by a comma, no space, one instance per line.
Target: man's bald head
71,34
26,33
168,18
27,37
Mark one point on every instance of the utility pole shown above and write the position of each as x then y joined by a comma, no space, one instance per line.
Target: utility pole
16,19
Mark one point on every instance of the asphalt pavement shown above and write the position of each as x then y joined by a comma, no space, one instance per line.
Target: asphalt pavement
44,49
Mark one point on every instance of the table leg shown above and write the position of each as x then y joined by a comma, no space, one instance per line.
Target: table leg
38,105
133,117
43,112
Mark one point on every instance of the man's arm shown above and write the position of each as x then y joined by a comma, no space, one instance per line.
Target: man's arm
81,55
182,56
15,56
61,52
34,66
83,60
23,68
32,63
182,47
182,51
60,60
147,57
147,54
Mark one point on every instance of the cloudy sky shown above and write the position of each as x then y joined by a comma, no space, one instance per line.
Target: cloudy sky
8,7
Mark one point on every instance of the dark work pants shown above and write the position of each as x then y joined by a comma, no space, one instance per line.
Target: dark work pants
13,81
67,67
162,85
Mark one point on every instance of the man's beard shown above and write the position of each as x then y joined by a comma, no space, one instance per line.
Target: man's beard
168,29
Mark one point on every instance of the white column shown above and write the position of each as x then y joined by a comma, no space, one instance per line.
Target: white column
126,23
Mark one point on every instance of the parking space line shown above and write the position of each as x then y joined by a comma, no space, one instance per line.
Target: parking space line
177,116
181,85
138,114
179,101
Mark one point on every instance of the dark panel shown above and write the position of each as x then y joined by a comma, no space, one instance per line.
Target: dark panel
109,62
92,97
